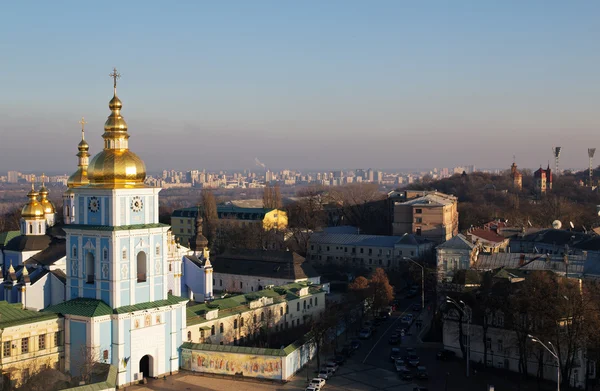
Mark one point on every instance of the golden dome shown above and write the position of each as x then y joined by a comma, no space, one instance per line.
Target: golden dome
32,209
113,167
78,178
116,165
46,203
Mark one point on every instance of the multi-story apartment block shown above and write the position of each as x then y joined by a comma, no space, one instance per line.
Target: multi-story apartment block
31,342
236,319
352,250
183,220
433,215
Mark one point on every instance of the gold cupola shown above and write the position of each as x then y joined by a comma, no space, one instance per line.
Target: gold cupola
116,166
46,203
80,177
33,209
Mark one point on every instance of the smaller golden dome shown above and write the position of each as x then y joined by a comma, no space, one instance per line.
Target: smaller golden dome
46,203
33,209
115,103
117,168
78,178
83,145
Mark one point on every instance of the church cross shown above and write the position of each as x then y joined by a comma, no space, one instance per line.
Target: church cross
115,75
82,122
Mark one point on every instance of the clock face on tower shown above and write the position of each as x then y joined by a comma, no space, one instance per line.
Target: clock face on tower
137,204
94,204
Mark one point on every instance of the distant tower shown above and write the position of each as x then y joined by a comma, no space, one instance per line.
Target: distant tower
556,152
591,152
516,176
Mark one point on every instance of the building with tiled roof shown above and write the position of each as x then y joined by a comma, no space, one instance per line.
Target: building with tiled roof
488,240
455,254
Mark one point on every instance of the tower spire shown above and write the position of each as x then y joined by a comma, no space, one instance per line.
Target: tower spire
199,242
82,122
115,76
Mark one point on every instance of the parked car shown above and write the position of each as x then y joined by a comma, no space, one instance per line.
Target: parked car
399,364
406,374
329,370
332,365
405,320
394,339
310,387
410,318
445,355
422,373
364,334
416,307
413,360
317,383
323,374
347,350
395,354
355,344
339,359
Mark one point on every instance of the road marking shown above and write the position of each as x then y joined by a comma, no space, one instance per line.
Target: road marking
385,332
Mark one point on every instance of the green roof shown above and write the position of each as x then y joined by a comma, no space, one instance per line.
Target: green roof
112,228
82,307
91,307
5,237
107,381
233,349
171,300
14,315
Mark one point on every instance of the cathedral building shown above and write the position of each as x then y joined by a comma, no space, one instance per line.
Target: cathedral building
543,179
117,306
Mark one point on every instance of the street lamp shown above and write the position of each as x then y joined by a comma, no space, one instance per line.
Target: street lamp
463,311
554,353
422,279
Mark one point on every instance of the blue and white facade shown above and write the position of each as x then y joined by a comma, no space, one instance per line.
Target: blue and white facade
118,308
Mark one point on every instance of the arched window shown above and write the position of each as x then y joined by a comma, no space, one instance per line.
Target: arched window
235,323
189,335
170,292
316,300
242,322
280,311
310,301
254,318
221,328
74,252
212,330
90,266
287,309
304,304
298,306
40,228
105,254
30,228
262,316
141,267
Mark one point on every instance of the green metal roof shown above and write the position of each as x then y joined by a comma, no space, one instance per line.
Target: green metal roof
171,300
112,228
106,382
5,237
88,308
13,315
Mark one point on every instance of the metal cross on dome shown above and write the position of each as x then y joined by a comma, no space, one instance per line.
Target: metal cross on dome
115,75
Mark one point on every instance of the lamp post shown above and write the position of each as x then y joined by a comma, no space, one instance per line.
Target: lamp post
422,280
467,315
554,353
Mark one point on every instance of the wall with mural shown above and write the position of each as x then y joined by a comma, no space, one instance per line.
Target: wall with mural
267,367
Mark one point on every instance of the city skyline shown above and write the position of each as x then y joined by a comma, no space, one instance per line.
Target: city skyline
387,86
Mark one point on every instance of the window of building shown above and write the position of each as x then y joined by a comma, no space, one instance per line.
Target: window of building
488,343
170,267
105,355
500,346
220,282
201,333
24,345
212,330
380,262
74,252
57,339
345,249
412,253
105,254
221,328
298,306
287,309
327,248
90,267
141,267
281,311
241,284
241,322
189,336
235,324
262,316
6,347
370,261
124,254
316,301
180,230
312,247
157,250
180,221
500,320
418,210
42,342
310,301
254,318
370,251
304,304
362,250
30,228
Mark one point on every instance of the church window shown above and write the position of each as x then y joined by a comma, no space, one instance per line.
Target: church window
316,300
24,345
157,250
74,252
304,305
221,328
241,284
105,355
310,301
262,316
212,330
254,318
124,254
90,266
298,306
105,254
40,228
235,324
170,267
57,338
220,282
141,267
30,228
170,291
189,336
287,309
280,311
42,342
242,322
6,348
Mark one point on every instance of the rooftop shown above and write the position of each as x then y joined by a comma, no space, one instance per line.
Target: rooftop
365,240
192,212
430,200
487,235
14,315
275,264
458,242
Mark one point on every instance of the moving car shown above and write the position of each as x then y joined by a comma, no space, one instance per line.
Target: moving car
310,387
317,383
395,354
445,355
364,334
422,373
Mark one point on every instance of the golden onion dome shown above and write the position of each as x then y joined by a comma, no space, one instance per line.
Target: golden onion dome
120,168
78,178
32,209
46,203
83,145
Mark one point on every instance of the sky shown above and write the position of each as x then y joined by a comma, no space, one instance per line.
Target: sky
303,84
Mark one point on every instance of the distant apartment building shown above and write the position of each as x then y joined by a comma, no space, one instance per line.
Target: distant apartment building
183,220
488,240
368,251
13,177
432,215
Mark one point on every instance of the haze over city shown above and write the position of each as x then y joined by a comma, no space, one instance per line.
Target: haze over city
303,85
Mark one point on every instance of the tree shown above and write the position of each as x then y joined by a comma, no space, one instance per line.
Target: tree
380,290
209,215
361,205
359,292
320,328
89,358
272,197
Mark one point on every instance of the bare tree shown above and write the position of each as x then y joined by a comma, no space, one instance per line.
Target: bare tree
209,215
89,357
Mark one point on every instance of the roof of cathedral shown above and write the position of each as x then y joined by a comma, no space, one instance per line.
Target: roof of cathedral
61,275
458,242
14,315
275,264
151,304
88,308
7,236
48,256
28,243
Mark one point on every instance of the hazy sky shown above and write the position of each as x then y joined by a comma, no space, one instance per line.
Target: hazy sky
303,84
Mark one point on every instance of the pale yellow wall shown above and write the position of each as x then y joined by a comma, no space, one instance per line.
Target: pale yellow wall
37,358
